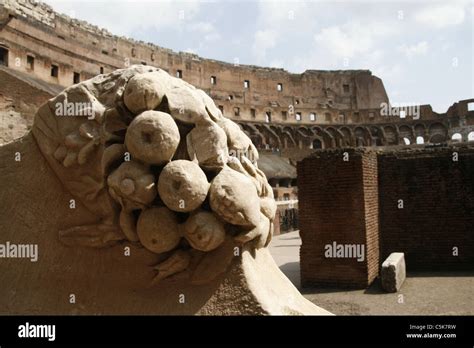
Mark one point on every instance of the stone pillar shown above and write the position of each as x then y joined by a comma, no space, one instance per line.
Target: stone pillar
338,210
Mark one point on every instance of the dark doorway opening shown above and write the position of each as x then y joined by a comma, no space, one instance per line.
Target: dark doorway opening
3,56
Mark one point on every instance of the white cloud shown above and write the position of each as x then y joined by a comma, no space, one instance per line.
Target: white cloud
280,20
123,17
441,16
205,29
202,27
263,40
352,38
421,48
276,63
278,15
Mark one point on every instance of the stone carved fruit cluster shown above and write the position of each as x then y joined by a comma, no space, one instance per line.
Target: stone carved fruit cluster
157,157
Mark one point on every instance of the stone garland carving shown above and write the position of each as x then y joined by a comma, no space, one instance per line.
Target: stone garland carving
160,166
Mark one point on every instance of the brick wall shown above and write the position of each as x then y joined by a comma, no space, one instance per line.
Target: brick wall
338,202
438,207
24,97
358,202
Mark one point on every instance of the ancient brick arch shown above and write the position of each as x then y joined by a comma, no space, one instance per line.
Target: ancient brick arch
391,135
324,137
348,136
363,137
331,136
406,132
438,133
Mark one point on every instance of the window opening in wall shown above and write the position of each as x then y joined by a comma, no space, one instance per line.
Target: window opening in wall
144,63
54,70
403,114
268,117
134,52
470,136
236,111
470,106
407,141
105,52
76,77
247,84
345,88
179,74
342,118
152,56
312,116
317,144
101,69
253,113
213,80
30,62
230,97
420,140
280,87
297,101
221,108
286,196
456,137
327,115
3,56
298,116
284,115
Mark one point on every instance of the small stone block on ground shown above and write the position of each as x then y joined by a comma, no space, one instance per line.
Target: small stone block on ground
393,272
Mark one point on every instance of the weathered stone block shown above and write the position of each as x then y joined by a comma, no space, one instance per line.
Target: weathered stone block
393,272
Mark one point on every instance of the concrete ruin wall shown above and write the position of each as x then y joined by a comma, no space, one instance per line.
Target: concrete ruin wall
77,47
338,203
438,207
357,201
315,109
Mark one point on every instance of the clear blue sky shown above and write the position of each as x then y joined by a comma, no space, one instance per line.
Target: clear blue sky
423,50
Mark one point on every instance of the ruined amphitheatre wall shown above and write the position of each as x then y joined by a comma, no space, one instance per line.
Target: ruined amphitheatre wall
76,47
314,109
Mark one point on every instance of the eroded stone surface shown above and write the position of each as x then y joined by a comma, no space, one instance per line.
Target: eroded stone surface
152,137
183,186
157,229
204,231
144,92
123,166
233,197
117,160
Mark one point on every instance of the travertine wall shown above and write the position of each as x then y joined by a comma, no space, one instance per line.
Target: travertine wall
322,109
28,28
338,203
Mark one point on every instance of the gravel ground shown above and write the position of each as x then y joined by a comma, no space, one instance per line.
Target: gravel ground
435,293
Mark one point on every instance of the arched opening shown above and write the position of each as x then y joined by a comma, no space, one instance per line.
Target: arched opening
470,136
457,137
420,140
391,136
407,141
437,139
438,133
317,144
